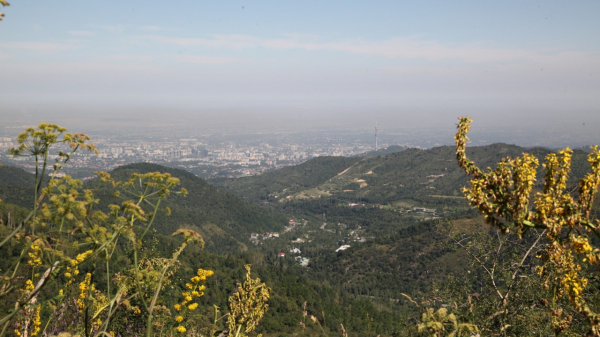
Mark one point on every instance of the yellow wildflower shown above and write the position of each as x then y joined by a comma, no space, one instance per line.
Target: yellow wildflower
36,321
35,256
29,286
83,256
203,274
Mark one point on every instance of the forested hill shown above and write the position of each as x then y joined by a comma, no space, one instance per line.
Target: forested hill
427,176
16,186
224,220
10,175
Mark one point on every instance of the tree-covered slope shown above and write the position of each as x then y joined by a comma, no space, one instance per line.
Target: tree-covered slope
16,186
224,220
10,175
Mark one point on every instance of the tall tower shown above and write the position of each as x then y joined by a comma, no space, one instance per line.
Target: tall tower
375,135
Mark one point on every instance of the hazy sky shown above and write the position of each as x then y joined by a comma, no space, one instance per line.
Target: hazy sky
385,59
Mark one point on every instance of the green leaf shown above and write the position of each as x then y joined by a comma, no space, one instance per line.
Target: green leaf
528,223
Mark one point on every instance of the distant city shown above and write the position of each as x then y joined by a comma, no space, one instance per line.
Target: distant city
207,156
212,155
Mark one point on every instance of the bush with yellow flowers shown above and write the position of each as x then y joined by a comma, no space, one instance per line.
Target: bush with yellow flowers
194,290
504,196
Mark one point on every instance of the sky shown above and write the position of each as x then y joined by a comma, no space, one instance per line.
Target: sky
400,62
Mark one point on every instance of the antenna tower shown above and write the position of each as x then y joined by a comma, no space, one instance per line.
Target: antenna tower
375,135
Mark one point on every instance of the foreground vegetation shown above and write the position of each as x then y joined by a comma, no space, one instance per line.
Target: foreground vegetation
74,268
570,247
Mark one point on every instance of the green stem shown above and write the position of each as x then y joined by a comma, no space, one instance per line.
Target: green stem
15,265
13,233
107,276
151,219
62,164
40,179
4,328
37,182
137,276
158,288
62,222
591,227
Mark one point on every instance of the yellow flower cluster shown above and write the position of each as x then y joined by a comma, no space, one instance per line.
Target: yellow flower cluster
62,202
581,245
29,286
502,194
35,255
202,275
72,269
84,288
36,321
195,290
81,257
35,326
573,284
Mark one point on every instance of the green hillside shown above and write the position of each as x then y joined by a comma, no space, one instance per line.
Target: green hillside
10,175
224,220
384,151
289,180
16,186
401,179
400,249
